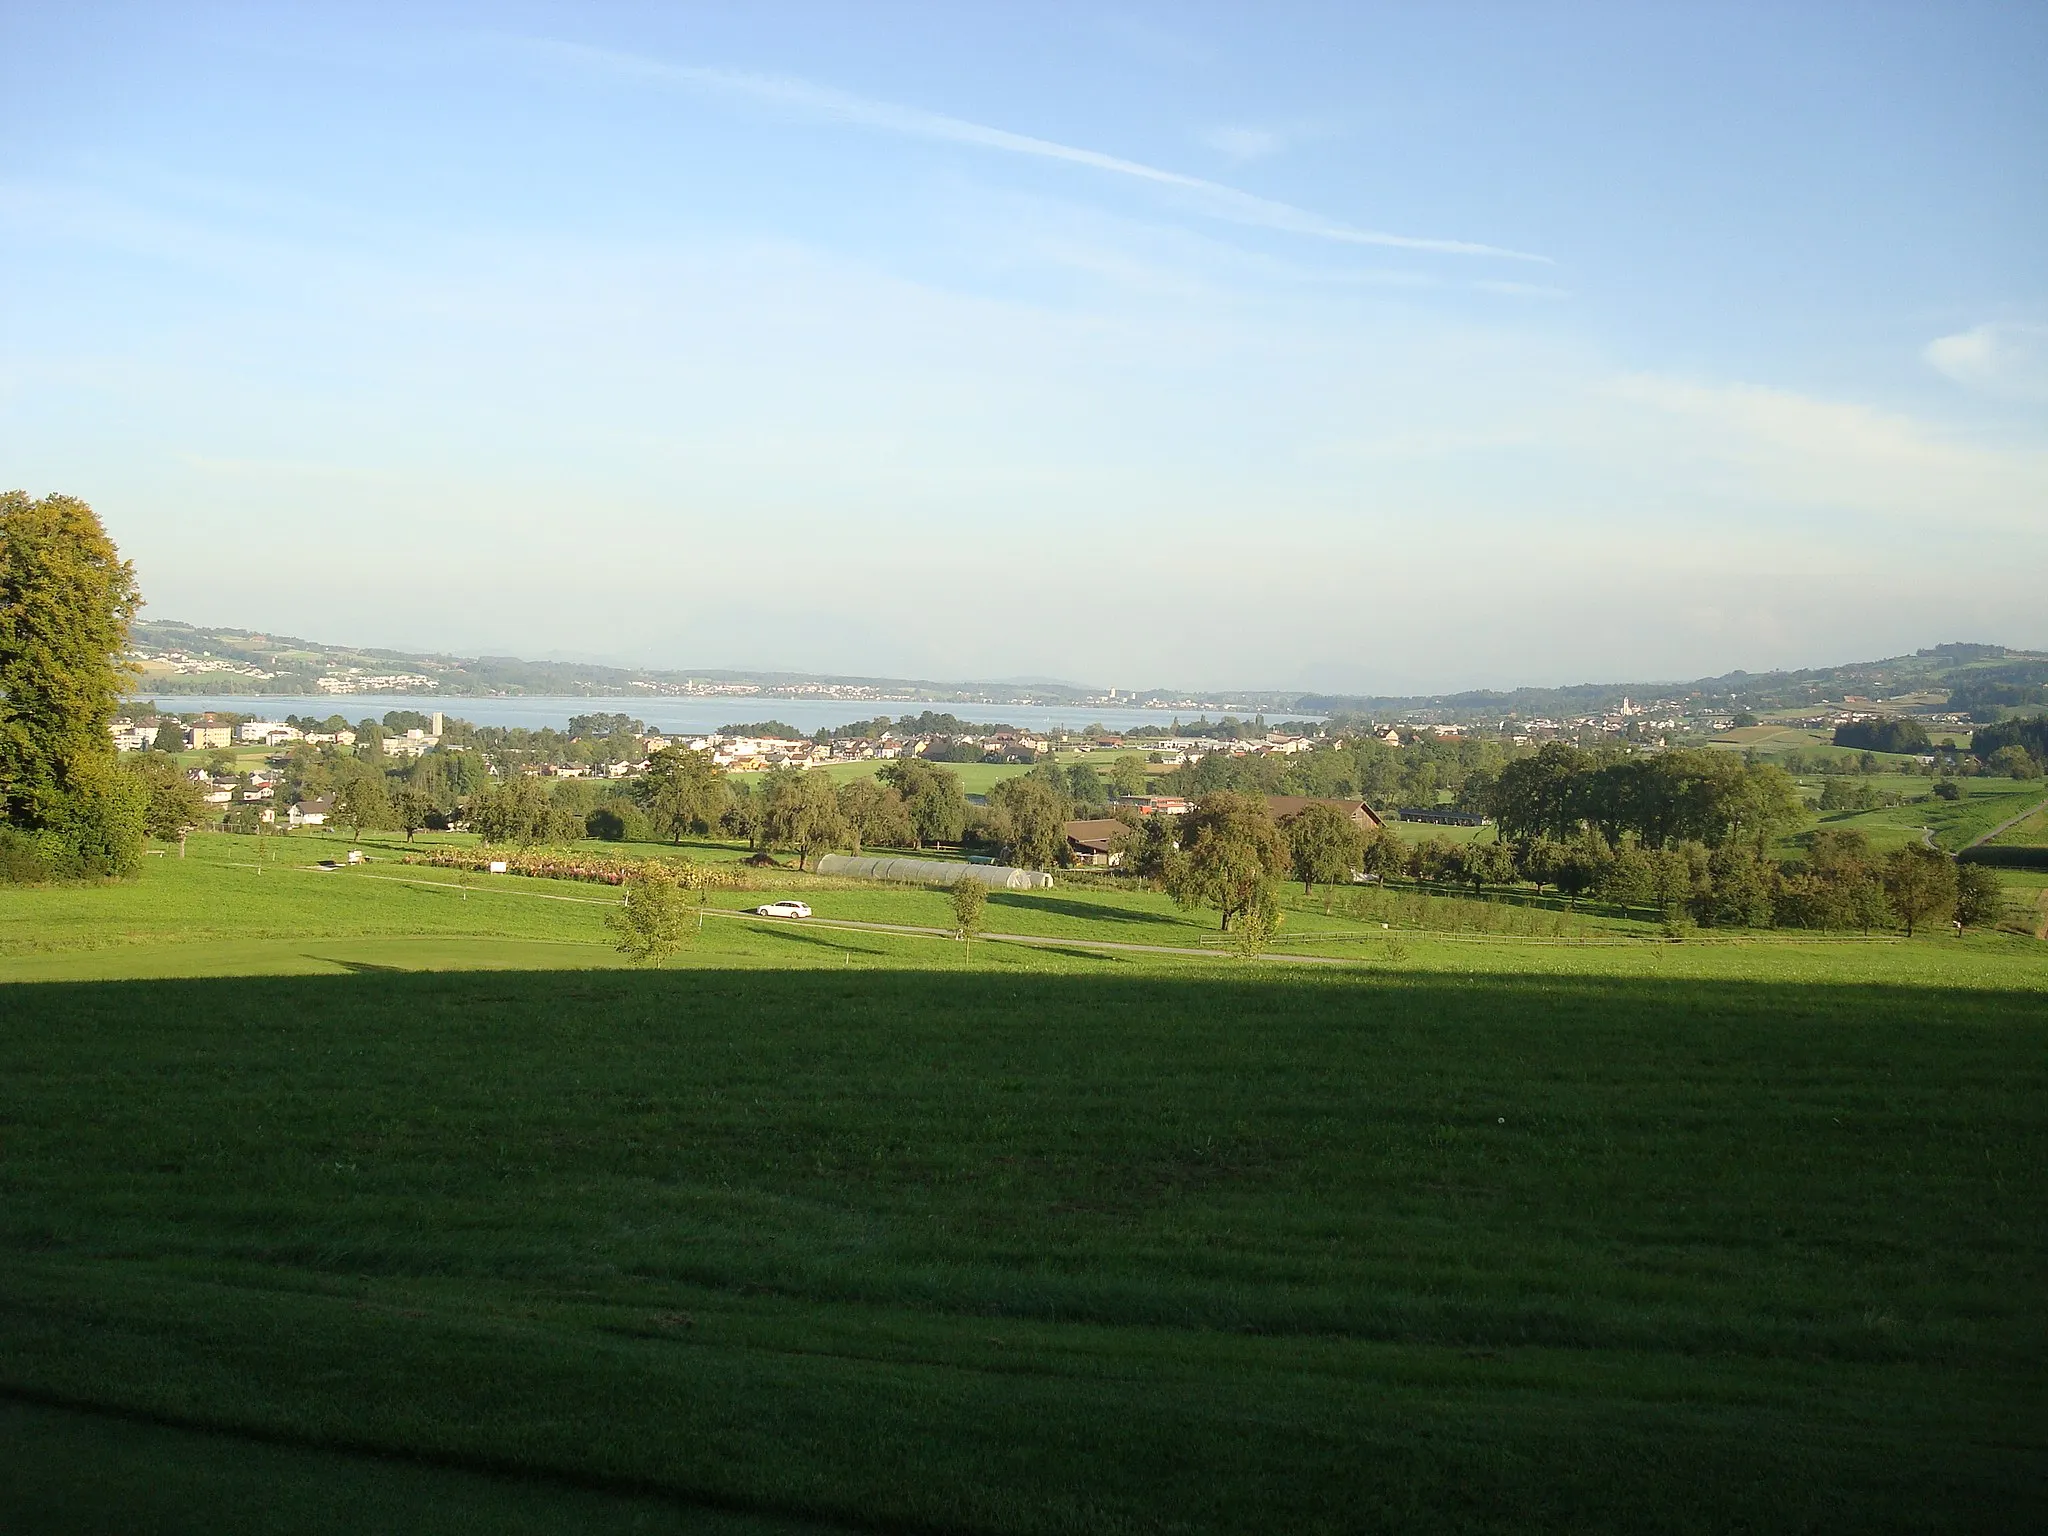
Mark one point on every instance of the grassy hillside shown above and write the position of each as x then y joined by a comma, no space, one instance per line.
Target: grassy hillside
333,1201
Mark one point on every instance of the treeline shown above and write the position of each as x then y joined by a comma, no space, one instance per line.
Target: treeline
1561,792
1886,733
2028,735
1424,772
924,723
1836,883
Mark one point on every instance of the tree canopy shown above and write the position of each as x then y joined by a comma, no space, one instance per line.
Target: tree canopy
931,796
1028,819
1887,733
1231,853
67,599
1660,798
682,792
1325,845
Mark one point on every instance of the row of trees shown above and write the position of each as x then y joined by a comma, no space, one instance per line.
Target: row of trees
1838,882
1420,773
1685,795
1886,733
1228,855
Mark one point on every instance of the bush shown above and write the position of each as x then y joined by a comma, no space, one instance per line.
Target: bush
22,861
97,830
616,821
653,922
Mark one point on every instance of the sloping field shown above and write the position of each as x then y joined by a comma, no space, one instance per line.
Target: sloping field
1193,1248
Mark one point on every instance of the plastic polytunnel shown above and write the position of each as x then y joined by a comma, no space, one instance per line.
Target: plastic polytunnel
933,872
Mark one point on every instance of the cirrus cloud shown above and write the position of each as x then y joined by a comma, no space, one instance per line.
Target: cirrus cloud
1998,358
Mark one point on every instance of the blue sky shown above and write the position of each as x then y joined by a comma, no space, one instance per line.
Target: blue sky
1352,347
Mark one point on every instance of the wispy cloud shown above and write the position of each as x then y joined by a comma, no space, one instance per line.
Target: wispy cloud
792,94
1240,144
1831,453
2002,359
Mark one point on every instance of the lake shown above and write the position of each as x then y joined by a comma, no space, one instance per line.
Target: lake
681,716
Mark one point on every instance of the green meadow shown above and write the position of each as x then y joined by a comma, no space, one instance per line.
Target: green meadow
1983,804
376,1199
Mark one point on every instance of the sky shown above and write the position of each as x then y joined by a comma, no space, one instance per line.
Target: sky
1352,347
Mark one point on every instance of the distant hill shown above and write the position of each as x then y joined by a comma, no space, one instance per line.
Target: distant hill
1964,668
239,661
248,662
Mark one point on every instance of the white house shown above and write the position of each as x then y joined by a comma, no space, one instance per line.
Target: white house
310,813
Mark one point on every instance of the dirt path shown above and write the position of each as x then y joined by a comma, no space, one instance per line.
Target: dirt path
2005,825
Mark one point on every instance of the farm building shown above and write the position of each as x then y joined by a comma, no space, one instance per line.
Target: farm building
1096,842
933,872
1442,816
1283,808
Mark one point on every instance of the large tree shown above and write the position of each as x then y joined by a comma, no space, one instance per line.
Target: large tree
874,813
681,792
1231,855
1539,796
363,803
1127,774
1325,845
1921,883
802,812
66,601
514,810
931,795
175,803
1028,818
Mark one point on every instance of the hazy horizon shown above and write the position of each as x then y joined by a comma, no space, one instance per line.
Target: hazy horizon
1359,350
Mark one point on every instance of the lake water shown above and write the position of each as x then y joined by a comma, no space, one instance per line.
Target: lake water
682,716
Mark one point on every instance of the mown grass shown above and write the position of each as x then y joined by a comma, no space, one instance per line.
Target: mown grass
1983,804
1177,1248
372,1205
2031,832
226,910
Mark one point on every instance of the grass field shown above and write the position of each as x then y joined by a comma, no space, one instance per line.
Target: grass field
334,1202
1984,803
2031,832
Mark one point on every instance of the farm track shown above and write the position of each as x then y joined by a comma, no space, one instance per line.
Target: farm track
2005,826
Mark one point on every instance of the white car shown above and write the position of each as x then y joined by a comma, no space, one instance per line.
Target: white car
783,909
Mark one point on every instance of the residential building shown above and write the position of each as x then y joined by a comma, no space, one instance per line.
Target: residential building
1155,805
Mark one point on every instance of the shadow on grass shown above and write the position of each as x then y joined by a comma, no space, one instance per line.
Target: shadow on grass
1248,1252
820,938
1085,910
